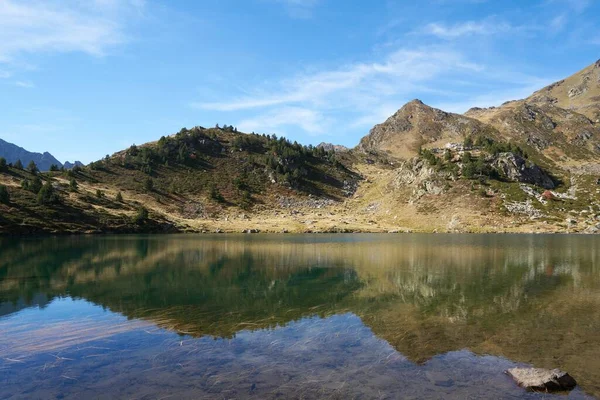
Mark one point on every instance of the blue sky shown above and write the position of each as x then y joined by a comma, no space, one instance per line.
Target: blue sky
85,78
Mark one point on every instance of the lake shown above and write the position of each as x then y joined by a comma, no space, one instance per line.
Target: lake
296,316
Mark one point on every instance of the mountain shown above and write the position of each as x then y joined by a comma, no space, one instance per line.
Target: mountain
69,165
12,153
416,125
530,165
579,92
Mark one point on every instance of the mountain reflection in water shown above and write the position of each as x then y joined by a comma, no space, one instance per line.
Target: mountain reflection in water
304,316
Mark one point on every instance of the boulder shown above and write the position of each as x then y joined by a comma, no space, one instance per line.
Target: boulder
544,380
516,168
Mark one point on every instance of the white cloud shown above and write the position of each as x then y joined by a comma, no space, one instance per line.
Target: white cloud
92,27
468,28
275,121
5,74
519,89
25,84
399,72
354,96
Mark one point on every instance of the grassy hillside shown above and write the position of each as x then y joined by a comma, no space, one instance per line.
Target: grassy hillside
167,185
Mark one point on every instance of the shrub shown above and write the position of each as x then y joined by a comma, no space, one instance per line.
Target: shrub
141,216
148,185
54,168
4,195
447,155
99,193
33,186
119,197
215,194
73,185
47,194
245,200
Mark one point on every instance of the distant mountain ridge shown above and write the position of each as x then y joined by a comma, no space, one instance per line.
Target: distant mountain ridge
11,152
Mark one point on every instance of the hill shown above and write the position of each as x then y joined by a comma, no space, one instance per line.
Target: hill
418,125
527,166
579,92
178,183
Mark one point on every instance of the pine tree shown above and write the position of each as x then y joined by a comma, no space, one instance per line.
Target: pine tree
47,194
3,165
18,164
148,185
4,195
31,167
73,185
141,216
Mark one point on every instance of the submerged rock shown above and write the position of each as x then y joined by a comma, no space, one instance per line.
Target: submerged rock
545,380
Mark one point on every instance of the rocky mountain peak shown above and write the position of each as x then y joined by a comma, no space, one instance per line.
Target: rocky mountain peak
416,125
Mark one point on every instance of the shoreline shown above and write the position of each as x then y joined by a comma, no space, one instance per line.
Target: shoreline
253,232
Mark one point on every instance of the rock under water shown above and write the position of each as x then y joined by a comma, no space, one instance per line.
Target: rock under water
545,380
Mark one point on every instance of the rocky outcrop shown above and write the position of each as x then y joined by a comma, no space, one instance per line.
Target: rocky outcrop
337,148
516,168
543,380
423,179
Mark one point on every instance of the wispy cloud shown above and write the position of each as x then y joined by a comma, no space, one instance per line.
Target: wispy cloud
311,121
354,95
469,28
400,71
25,84
299,8
578,6
558,23
32,26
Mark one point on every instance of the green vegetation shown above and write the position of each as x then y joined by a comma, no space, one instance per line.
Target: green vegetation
73,185
473,167
18,164
148,185
119,197
4,195
141,216
47,194
32,168
3,165
494,147
33,185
